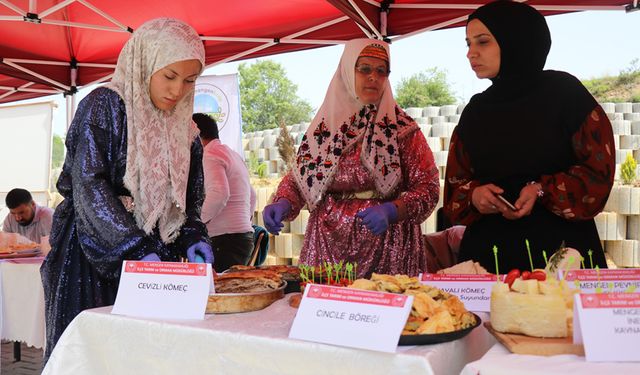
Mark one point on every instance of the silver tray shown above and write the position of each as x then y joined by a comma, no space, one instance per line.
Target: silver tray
227,303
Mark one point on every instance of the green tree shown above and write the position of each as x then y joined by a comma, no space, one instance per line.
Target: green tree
424,89
267,97
57,152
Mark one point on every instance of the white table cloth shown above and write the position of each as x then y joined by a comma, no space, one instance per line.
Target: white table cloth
97,342
499,361
22,301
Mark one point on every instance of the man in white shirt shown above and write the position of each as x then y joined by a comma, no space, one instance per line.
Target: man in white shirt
229,201
26,217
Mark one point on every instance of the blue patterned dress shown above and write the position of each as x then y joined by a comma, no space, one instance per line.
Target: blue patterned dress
92,231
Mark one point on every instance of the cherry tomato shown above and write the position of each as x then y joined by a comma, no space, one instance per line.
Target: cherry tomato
525,275
512,276
538,275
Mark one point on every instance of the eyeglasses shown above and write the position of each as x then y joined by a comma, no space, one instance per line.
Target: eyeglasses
381,71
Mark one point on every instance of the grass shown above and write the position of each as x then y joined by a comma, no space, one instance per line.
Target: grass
622,88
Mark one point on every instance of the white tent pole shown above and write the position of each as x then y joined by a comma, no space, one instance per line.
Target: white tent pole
23,69
2,96
288,38
268,40
93,65
241,54
434,27
99,80
12,18
311,41
13,7
33,6
55,8
71,95
38,62
236,39
120,27
383,22
364,17
364,31
25,88
83,25
103,14
573,7
58,63
39,91
68,100
73,75
318,27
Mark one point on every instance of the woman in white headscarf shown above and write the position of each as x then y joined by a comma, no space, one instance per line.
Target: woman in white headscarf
365,172
132,178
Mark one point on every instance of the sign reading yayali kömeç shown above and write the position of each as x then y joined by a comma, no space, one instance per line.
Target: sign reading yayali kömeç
473,290
163,290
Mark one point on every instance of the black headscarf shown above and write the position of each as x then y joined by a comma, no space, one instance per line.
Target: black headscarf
522,34
521,126
518,130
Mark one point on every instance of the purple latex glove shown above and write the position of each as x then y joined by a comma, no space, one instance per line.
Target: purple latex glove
200,251
273,215
151,257
378,218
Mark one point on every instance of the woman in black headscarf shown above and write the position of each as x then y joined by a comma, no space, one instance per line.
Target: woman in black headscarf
535,137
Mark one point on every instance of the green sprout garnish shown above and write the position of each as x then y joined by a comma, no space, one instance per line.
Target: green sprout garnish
529,252
598,288
495,255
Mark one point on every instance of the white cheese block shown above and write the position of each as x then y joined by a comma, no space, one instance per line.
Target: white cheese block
536,315
550,288
525,286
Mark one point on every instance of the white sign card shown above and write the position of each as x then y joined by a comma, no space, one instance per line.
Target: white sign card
351,317
608,324
604,280
165,290
473,290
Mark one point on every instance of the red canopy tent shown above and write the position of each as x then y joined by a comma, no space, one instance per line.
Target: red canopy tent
56,46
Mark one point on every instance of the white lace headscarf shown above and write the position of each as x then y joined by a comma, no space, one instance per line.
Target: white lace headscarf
341,122
158,142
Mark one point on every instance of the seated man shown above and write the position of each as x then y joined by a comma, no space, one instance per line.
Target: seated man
229,198
26,217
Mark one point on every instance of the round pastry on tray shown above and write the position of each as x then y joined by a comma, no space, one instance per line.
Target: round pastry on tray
23,250
245,291
290,274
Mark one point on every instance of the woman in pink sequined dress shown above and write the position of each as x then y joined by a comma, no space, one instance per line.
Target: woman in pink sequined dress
365,172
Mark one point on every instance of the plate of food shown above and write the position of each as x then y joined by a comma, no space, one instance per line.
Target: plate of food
436,316
26,250
437,338
245,291
290,274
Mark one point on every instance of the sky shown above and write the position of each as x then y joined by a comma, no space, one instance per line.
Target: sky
586,44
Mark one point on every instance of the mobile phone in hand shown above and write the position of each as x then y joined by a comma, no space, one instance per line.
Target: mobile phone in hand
507,203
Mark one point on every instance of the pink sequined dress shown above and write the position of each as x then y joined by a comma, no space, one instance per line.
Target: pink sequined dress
334,233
